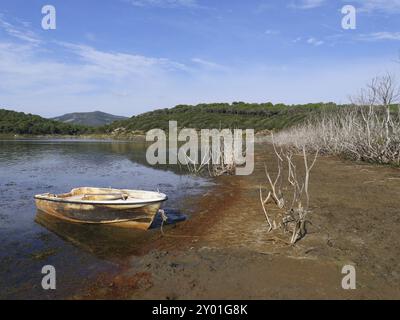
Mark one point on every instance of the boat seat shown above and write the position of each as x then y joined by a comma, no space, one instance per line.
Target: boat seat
105,197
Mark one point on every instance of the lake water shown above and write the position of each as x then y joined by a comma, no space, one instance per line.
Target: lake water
30,240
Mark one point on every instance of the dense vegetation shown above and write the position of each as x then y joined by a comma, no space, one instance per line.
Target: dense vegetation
265,116
12,122
92,119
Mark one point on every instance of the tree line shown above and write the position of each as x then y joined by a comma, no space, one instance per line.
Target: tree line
12,122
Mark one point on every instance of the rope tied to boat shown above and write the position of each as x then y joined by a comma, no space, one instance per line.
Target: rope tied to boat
164,218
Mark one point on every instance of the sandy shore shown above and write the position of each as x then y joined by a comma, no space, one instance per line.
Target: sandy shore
224,251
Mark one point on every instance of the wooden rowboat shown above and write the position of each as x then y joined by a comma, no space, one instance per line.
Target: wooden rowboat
123,208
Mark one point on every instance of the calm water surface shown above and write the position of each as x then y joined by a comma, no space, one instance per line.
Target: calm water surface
30,240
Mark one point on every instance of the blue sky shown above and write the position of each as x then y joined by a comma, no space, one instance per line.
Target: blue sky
130,56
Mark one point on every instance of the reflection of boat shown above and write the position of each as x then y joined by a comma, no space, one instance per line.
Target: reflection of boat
123,208
103,241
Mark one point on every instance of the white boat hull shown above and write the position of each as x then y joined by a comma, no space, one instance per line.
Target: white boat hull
138,210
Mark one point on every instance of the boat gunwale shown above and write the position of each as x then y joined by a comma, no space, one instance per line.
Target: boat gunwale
44,197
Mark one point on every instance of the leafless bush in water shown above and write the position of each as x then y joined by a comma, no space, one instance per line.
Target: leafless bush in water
214,163
293,206
367,130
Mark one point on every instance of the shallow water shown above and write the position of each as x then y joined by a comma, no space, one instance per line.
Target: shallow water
31,240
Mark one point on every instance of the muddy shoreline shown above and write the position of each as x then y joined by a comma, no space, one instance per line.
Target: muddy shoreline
224,251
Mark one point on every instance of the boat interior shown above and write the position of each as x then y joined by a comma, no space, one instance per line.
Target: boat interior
105,194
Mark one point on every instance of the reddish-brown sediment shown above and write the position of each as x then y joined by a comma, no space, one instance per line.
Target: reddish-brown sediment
225,252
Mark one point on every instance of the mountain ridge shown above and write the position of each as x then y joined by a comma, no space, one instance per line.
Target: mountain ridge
13,122
93,119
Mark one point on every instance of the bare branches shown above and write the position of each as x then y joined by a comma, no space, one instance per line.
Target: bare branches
222,162
217,163
308,169
263,203
368,130
291,219
387,90
195,168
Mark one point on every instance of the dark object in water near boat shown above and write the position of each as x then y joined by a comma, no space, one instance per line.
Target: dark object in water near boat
122,208
173,216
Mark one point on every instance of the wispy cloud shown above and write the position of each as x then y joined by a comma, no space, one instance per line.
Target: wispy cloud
57,77
307,4
315,42
209,64
298,39
164,3
380,36
311,41
130,84
90,78
271,32
122,64
370,6
19,31
385,6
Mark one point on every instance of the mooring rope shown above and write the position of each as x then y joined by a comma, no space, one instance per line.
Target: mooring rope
164,220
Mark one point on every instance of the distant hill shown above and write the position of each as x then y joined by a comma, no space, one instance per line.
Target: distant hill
93,119
241,115
12,122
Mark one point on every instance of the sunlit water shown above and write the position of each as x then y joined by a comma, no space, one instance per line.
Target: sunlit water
30,241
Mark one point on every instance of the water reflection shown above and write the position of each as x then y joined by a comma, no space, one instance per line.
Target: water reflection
31,240
106,241
38,149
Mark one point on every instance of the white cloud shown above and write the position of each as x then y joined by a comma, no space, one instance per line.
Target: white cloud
19,31
164,3
378,36
209,64
121,64
307,4
36,80
88,79
80,77
373,6
370,6
315,42
130,84
271,32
